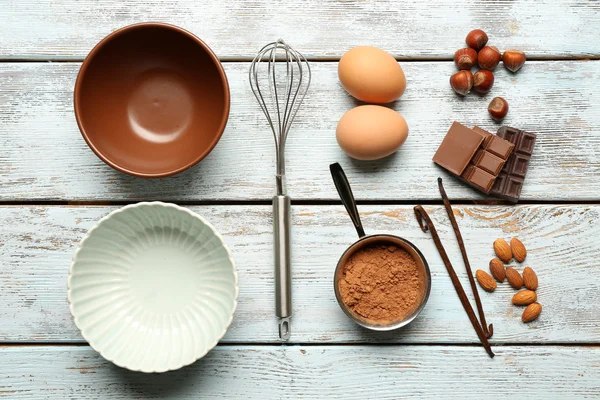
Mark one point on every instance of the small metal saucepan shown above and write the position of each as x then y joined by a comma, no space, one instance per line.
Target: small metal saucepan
343,187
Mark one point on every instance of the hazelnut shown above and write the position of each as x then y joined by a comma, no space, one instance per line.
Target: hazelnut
513,60
488,57
483,81
476,39
465,58
498,108
462,82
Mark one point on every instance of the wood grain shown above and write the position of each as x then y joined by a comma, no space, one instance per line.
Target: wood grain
45,158
36,244
48,29
313,372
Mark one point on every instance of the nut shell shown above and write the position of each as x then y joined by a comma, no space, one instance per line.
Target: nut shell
462,82
465,58
483,80
502,250
531,312
498,108
524,298
486,282
514,278
513,60
497,269
518,249
477,39
530,279
488,57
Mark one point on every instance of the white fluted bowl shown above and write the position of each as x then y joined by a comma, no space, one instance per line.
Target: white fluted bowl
152,287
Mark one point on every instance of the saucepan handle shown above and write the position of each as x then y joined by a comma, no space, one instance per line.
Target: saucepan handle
345,191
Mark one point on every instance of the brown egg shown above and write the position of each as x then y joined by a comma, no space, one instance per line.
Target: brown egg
372,75
371,132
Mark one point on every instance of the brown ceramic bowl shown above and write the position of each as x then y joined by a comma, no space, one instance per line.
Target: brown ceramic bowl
151,100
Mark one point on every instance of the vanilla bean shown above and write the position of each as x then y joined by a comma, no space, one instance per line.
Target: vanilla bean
426,224
489,331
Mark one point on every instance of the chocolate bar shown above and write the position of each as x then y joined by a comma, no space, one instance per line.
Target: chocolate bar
474,155
510,181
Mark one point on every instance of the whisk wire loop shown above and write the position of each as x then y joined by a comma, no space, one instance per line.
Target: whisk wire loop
287,88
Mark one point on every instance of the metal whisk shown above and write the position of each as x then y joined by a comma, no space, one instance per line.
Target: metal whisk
285,75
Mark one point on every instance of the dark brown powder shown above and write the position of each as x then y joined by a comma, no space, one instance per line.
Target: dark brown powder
381,283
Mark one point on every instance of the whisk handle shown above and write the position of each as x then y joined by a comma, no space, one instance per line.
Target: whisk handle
283,266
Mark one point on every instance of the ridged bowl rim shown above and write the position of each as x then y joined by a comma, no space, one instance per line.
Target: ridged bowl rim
124,209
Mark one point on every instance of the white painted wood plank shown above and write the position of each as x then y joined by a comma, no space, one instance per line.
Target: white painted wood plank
44,157
313,372
36,244
70,28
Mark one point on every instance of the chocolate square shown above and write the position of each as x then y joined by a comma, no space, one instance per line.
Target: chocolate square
489,162
457,148
526,143
500,183
500,147
479,178
513,187
518,165
510,134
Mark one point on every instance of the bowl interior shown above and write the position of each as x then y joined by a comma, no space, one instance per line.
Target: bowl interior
152,287
151,100
424,279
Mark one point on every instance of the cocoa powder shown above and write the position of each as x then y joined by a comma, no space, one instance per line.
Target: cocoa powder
382,283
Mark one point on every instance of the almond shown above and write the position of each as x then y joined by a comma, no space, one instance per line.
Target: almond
531,312
514,278
518,249
530,279
502,250
524,298
485,280
497,269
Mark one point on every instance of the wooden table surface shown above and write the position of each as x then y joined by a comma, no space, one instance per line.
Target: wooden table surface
53,189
